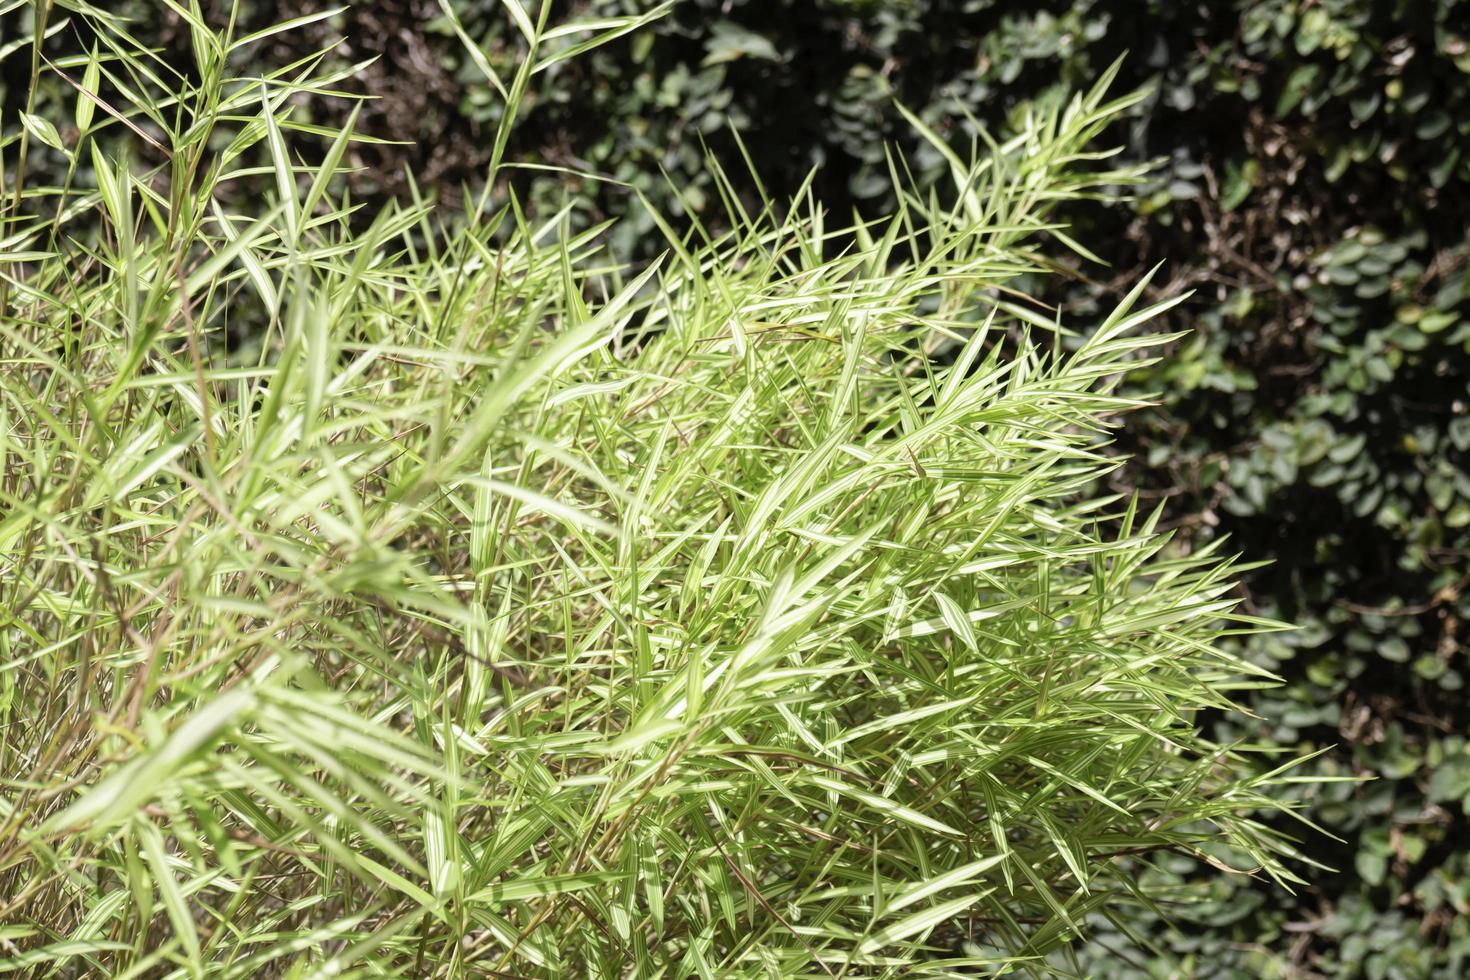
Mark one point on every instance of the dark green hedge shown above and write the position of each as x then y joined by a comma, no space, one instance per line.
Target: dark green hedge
1314,191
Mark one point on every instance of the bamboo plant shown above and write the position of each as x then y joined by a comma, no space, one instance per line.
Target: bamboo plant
427,595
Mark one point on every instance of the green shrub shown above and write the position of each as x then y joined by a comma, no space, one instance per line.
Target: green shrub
1309,416
447,600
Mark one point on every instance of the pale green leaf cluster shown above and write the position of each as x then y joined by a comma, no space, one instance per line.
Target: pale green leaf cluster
425,596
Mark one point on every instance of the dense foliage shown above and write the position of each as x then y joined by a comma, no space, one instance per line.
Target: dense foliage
1313,186
424,594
